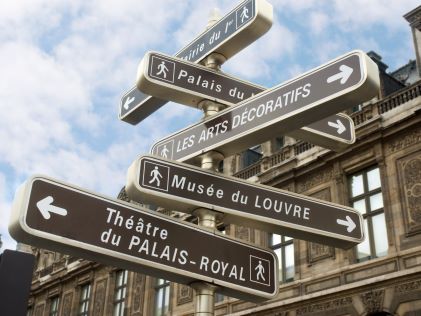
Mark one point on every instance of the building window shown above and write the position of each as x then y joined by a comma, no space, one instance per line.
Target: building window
284,249
250,156
219,297
162,297
85,295
366,197
54,302
120,292
279,143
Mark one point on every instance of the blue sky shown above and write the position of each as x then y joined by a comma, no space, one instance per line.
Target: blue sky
66,64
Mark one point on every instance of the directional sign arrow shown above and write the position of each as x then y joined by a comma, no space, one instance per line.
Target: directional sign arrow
183,187
340,127
46,208
233,32
128,101
348,223
117,233
343,75
277,111
177,80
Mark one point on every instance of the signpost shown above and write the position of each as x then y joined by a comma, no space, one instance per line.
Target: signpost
60,217
235,31
174,79
328,89
185,188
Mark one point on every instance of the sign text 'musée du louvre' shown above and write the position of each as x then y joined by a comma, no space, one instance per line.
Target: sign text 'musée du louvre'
328,89
183,187
57,216
176,80
233,32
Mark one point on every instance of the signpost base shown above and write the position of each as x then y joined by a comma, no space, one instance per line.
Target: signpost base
204,299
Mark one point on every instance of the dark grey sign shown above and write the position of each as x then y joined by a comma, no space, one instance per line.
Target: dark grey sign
185,188
328,89
176,80
335,132
232,33
60,217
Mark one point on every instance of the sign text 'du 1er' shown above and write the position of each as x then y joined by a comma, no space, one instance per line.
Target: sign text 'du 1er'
229,35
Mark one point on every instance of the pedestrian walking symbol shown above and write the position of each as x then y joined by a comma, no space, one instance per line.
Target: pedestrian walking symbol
244,14
155,176
260,270
164,151
162,69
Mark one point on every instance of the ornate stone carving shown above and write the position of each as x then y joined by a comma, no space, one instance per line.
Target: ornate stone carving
184,294
325,306
39,310
410,178
138,292
244,233
314,179
315,251
414,286
373,301
404,142
67,304
99,298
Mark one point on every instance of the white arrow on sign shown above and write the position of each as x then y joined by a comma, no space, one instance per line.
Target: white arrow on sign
339,125
343,75
349,223
46,208
127,102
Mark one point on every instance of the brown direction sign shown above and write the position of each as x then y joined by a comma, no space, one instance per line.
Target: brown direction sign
60,217
174,79
233,32
183,187
328,89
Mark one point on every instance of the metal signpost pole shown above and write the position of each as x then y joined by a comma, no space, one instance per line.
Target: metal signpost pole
205,292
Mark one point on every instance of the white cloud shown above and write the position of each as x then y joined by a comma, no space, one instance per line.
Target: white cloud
256,61
294,5
363,14
42,101
319,21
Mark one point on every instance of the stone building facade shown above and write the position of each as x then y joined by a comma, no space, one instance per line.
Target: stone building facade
379,175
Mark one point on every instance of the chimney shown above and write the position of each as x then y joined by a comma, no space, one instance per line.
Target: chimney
414,19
